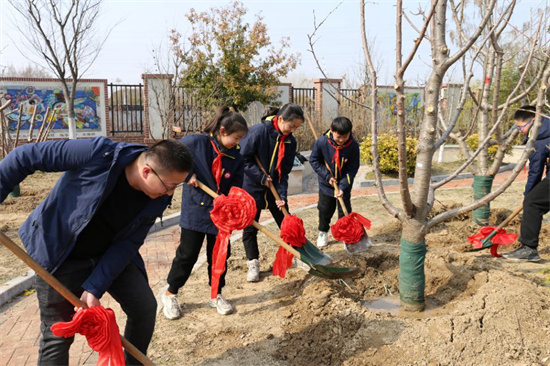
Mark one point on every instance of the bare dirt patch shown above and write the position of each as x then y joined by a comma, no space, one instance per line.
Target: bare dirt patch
480,310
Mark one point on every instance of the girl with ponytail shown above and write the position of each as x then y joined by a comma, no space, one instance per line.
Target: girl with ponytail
218,164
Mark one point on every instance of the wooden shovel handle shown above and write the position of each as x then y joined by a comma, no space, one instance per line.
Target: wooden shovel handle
334,185
63,291
509,218
258,226
271,186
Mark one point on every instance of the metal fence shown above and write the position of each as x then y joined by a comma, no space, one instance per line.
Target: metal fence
126,108
304,97
188,111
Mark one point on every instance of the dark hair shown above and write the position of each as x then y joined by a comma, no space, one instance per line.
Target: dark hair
226,118
170,155
271,111
289,112
524,113
342,125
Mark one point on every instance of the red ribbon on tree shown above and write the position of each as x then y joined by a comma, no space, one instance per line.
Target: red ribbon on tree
99,327
232,212
293,233
500,238
350,228
217,166
281,152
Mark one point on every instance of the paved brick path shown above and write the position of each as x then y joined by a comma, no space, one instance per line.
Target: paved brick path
20,319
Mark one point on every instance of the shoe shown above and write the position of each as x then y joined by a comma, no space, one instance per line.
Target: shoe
171,307
322,240
222,305
523,253
253,274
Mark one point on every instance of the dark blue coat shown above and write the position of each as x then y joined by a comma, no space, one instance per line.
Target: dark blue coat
91,171
349,161
261,141
196,204
539,160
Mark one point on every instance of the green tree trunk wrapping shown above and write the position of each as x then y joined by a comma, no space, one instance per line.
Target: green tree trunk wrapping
482,186
16,191
411,274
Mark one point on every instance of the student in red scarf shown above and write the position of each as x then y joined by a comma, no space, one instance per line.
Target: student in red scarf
273,143
338,148
218,164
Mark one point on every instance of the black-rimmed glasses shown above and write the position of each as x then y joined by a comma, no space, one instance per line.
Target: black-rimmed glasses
168,189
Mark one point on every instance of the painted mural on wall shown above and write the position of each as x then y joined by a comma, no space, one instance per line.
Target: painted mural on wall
413,106
88,107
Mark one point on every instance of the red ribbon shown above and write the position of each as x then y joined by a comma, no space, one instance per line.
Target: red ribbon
99,327
217,166
350,228
281,152
232,212
293,233
336,157
500,238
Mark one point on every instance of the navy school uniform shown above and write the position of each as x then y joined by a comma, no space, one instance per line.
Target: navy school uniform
195,221
324,151
263,141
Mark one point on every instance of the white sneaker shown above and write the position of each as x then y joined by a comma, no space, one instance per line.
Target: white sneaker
253,274
171,307
322,240
222,305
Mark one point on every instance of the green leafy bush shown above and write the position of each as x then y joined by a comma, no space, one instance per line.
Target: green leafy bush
388,153
473,142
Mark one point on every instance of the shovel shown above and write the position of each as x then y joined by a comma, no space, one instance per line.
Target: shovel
63,291
364,243
315,269
308,249
487,242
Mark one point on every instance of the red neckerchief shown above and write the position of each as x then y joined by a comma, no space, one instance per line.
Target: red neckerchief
217,166
281,152
336,156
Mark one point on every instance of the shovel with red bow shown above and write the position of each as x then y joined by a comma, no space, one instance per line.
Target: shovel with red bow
351,228
491,237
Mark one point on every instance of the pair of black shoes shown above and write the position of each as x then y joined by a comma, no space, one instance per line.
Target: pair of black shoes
523,253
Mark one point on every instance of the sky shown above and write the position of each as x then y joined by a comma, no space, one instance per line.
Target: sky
139,26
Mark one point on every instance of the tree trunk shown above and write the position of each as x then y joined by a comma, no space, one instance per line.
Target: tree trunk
412,279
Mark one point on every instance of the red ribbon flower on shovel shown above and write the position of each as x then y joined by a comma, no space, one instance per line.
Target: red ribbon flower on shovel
232,212
99,327
350,228
489,236
293,233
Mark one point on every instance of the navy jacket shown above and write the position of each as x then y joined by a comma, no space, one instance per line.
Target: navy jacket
196,204
539,160
262,140
91,170
349,161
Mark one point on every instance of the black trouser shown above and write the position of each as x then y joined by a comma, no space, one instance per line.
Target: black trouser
327,206
250,233
535,205
130,289
186,256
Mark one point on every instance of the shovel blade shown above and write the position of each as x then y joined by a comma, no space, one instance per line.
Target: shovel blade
313,255
363,244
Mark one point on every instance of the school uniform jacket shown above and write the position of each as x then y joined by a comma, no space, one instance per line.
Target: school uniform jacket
349,162
539,160
91,168
197,204
263,140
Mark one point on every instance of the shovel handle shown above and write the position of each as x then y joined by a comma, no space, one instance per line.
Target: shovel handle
509,218
271,186
334,185
256,224
63,291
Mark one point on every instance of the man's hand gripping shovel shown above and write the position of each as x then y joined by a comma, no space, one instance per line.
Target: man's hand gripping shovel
355,223
315,269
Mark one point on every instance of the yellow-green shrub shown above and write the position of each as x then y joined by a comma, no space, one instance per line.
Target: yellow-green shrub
388,153
473,142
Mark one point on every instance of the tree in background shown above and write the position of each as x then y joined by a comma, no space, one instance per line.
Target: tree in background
229,61
28,71
62,34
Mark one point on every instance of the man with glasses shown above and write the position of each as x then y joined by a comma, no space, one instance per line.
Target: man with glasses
537,190
89,229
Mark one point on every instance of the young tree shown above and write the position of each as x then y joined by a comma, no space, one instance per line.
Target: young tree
229,61
25,72
62,34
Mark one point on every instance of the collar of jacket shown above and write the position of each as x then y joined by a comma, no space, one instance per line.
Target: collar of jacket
225,152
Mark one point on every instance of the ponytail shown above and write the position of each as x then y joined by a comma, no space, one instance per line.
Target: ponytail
226,118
